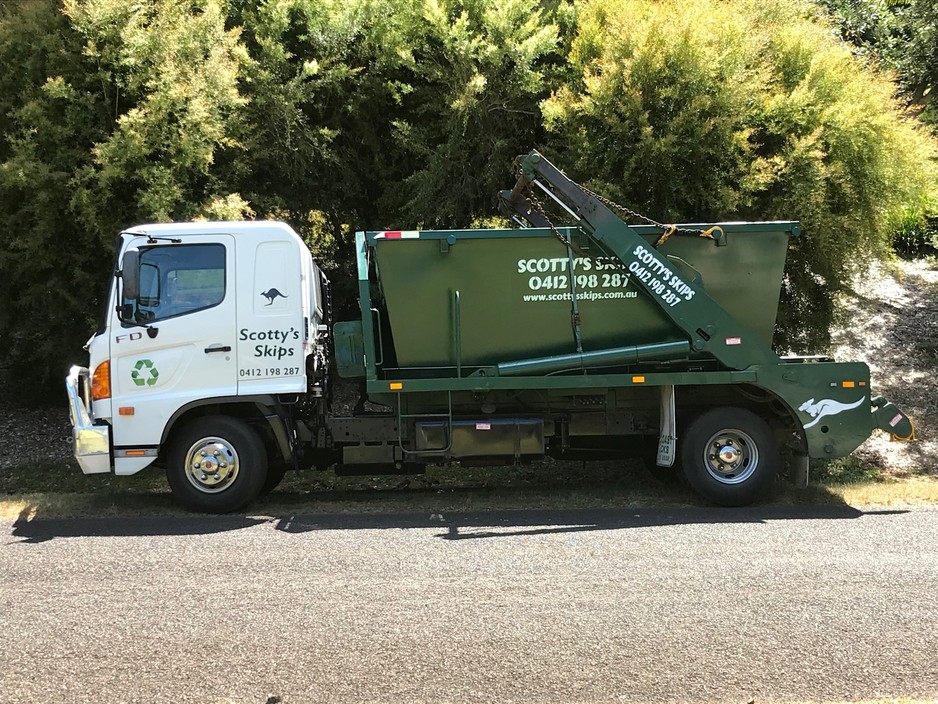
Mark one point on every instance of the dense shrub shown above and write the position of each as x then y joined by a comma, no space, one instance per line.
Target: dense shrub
902,36
711,110
366,114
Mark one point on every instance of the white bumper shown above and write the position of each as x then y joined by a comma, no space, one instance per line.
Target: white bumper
90,443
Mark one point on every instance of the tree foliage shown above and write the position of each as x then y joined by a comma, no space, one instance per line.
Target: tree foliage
53,257
902,35
709,110
339,115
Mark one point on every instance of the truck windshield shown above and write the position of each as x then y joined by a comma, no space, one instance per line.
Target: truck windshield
179,279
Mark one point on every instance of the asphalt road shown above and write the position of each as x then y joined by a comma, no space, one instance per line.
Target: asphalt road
771,604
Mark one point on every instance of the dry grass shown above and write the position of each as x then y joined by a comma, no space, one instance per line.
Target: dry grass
913,491
901,700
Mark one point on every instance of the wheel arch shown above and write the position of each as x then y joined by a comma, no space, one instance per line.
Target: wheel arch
264,412
761,400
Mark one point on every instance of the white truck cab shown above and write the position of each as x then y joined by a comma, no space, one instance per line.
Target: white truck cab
203,319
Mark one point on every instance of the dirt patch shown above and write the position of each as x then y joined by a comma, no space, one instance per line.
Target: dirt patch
890,321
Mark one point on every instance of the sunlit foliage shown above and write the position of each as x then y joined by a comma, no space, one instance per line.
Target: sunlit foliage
339,115
709,110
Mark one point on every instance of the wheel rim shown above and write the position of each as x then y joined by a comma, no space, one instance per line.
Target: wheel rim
212,465
731,456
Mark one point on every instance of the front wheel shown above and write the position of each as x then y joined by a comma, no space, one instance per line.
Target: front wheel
275,475
730,456
216,464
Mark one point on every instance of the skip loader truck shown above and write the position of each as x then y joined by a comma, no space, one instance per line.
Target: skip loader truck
217,353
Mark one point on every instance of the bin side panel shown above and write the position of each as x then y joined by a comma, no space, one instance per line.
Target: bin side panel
744,277
514,295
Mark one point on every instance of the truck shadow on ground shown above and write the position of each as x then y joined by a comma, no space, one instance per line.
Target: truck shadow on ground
514,523
387,510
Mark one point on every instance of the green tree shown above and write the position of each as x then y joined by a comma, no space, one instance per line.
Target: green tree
172,70
112,114
478,69
339,115
901,35
743,110
371,114
54,266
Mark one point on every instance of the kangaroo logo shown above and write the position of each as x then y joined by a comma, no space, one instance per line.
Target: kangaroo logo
271,296
826,407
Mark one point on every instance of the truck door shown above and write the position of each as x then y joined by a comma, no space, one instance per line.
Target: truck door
184,347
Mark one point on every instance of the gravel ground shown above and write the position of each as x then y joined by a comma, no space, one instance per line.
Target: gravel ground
890,321
35,434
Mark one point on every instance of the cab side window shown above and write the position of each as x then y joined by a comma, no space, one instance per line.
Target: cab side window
179,279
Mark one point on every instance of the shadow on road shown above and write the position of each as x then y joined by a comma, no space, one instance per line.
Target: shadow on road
30,528
513,523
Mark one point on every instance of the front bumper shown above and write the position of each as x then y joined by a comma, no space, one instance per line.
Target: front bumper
90,443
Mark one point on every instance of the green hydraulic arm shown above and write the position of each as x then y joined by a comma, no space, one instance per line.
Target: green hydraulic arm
668,281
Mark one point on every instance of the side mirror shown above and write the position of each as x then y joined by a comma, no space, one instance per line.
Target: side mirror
130,274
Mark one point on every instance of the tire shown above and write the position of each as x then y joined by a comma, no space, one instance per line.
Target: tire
231,448
729,456
275,475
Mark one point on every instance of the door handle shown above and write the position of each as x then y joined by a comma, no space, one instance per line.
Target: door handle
226,348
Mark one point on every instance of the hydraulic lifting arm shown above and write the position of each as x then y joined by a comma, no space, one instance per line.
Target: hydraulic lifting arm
669,281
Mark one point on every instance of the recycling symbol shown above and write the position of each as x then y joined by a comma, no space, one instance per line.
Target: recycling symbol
144,373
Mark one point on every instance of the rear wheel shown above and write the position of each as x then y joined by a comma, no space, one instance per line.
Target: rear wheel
216,464
730,456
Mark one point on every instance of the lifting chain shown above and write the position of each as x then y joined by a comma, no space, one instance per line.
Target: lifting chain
668,229
538,207
567,242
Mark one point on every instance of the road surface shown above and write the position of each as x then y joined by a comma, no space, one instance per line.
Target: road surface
709,605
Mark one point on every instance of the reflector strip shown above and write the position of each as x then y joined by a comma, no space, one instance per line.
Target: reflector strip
126,410
398,235
848,384
135,453
638,380
396,386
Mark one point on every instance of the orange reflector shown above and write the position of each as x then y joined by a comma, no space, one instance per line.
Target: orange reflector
126,410
638,380
135,453
101,381
848,384
396,386
862,383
